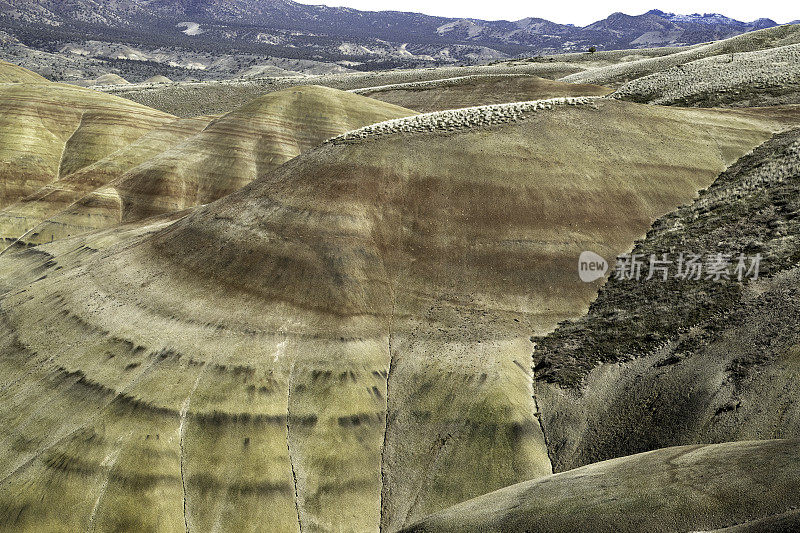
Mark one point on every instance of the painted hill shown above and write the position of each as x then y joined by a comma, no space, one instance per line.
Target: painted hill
10,73
186,99
469,91
60,198
707,362
51,130
244,144
191,162
111,79
692,488
347,338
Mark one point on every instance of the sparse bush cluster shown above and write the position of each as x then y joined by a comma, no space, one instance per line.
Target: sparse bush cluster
210,97
748,42
783,166
458,119
719,79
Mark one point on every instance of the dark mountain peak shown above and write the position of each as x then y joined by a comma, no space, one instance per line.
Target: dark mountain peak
763,23
707,24
336,35
621,22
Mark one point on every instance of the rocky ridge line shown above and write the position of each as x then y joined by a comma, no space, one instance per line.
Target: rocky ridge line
458,119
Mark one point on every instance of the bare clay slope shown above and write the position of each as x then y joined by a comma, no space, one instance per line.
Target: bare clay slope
657,364
50,130
344,342
81,201
744,486
11,73
468,91
190,162
244,144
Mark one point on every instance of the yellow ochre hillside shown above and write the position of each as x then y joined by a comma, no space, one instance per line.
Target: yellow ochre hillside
10,73
48,131
187,162
344,343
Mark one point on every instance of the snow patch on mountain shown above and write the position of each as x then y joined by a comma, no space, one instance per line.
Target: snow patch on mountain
191,28
711,19
472,28
706,18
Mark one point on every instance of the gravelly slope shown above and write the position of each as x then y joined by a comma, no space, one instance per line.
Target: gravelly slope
748,79
339,343
657,364
736,487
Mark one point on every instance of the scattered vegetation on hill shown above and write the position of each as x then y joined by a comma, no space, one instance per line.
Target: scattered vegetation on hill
477,90
213,97
753,207
617,74
751,78
458,81
658,363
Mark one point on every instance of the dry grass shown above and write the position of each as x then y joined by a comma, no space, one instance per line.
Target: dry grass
621,73
212,97
722,79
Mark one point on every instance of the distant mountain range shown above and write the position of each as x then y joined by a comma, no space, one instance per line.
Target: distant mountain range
345,37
